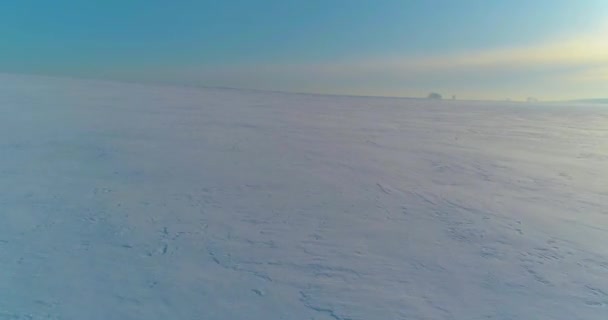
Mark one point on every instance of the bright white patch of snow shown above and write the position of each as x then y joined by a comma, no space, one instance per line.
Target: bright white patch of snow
125,201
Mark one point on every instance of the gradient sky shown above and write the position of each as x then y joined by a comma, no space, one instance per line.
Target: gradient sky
483,49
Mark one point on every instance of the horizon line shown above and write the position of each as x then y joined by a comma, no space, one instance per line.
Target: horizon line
178,84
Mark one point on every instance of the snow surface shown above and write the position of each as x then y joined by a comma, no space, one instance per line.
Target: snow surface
127,201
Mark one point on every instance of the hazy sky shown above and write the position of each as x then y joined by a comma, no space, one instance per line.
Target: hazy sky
551,49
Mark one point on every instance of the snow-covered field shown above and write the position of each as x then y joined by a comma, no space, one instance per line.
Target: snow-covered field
125,201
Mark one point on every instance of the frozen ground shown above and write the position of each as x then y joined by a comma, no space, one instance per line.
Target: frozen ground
124,201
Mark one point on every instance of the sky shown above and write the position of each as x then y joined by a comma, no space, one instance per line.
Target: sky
474,49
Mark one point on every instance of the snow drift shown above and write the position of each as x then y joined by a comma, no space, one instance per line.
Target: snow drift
127,201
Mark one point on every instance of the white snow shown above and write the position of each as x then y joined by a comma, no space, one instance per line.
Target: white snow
127,201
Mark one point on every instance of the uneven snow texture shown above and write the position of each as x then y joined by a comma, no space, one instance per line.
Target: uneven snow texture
127,201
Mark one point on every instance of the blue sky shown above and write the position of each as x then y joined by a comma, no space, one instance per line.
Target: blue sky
475,49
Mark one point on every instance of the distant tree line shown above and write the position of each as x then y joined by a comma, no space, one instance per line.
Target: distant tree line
434,96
